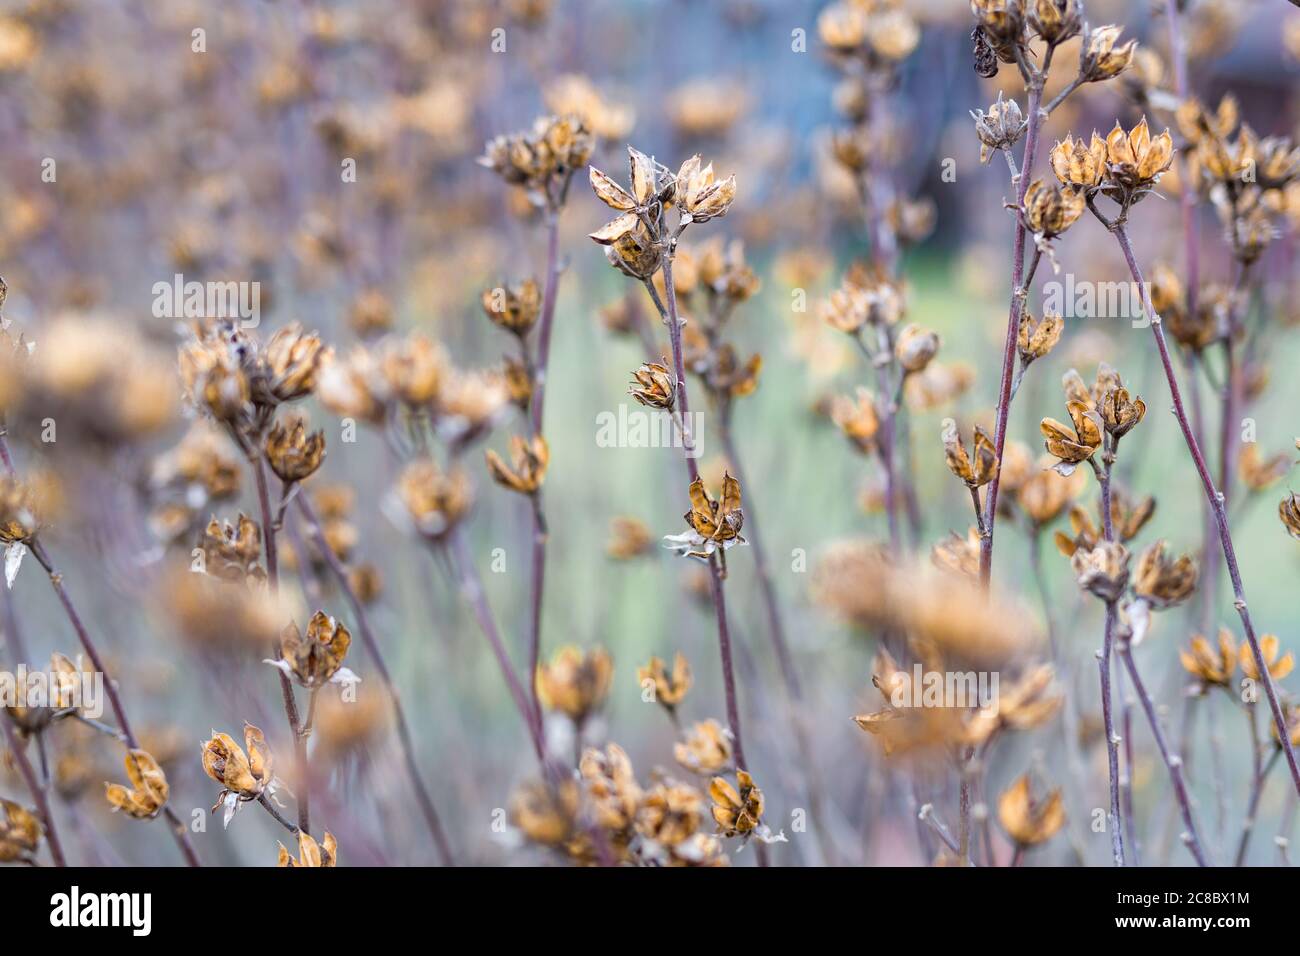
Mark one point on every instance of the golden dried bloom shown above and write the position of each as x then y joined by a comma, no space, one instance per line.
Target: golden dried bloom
1100,59
367,582
518,381
232,552
243,776
1002,20
20,832
1078,165
1045,494
705,748
1288,510
706,107
915,347
653,385
1163,581
1129,515
700,195
727,376
529,458
542,157
1037,338
958,554
316,658
738,810
628,538
1197,124
546,814
670,813
1073,445
575,683
1086,535
1198,330
148,791
1027,821
1000,128
1135,160
1051,209
669,689
292,359
1268,647
1120,413
413,369
311,853
435,499
1258,473
857,419
1211,666
1029,702
1053,20
370,314
469,403
1277,162
293,454
843,27
634,253
611,786
1250,233
715,525
354,387
514,307
19,510
1017,466
1103,571
205,457
976,469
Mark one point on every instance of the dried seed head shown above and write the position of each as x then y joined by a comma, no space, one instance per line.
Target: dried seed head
527,470
514,307
574,682
915,347
1079,165
976,469
1054,20
669,689
1037,338
148,792
294,455
436,500
1099,57
1051,209
1000,128
1103,571
1269,646
1027,821
1164,581
1288,510
653,386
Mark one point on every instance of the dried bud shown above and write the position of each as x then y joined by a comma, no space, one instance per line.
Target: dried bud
700,197
1000,128
575,683
148,791
1135,160
1164,581
669,690
1103,571
1027,821
1288,510
1120,413
1001,20
1268,650
653,386
293,454
316,658
515,308
737,810
715,525
1211,666
20,832
1051,209
980,466
857,418
1073,445
916,347
293,358
436,500
1037,338
1054,20
529,459
311,853
1100,59
1079,165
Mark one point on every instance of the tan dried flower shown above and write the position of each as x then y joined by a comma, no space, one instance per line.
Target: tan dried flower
1100,59
705,748
316,658
310,853
1027,821
1161,580
145,798
1268,648
294,455
737,810
575,683
1210,666
525,474
669,689
977,468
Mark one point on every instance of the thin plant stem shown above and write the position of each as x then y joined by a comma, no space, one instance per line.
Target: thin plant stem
179,833
278,816
1252,807
1217,502
1104,666
39,796
1172,761
340,574
471,588
1018,294
1126,775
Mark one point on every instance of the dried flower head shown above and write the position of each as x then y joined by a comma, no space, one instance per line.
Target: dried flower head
514,307
705,748
1051,209
737,810
243,776
1102,571
715,524
294,455
1054,20
1161,580
317,657
1259,473
528,457
1136,160
1211,666
1278,667
857,418
915,347
575,683
1073,445
977,468
669,689
654,386
1037,338
1000,128
1288,510
1028,821
628,538
435,499
20,832
310,853
1099,57
232,552
148,791
958,554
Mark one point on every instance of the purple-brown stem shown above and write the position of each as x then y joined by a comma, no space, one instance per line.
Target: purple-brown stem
1018,294
1104,666
1216,501
372,648
179,833
39,797
303,794
1259,774
1172,760
471,587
